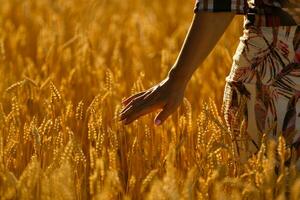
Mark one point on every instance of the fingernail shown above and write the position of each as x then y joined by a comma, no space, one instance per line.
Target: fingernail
157,122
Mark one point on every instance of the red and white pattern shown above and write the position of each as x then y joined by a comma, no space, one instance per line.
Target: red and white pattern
263,87
266,75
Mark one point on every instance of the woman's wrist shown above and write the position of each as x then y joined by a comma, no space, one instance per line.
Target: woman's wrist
180,79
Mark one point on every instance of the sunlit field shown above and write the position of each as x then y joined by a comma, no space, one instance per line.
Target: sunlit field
65,66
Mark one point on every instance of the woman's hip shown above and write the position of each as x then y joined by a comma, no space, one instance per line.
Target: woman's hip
266,53
266,75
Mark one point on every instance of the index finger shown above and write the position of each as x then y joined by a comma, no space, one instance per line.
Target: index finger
127,100
136,112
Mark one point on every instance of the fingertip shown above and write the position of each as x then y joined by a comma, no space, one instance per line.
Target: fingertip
157,122
124,101
161,117
122,117
127,100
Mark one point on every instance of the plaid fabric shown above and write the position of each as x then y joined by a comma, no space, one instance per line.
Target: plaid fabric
258,12
237,6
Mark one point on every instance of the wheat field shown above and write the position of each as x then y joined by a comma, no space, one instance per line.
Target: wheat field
65,66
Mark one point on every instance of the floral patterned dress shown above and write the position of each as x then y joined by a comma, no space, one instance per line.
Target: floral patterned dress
262,90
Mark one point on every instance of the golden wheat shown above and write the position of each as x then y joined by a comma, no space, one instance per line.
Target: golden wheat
66,65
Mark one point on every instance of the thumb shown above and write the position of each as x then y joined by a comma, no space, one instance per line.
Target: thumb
164,114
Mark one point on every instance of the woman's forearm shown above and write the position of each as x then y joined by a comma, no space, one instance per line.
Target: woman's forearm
205,31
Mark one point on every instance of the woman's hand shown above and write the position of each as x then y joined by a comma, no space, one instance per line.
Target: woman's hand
205,30
167,95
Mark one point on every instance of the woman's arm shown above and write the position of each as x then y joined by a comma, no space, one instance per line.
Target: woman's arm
204,33
206,29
